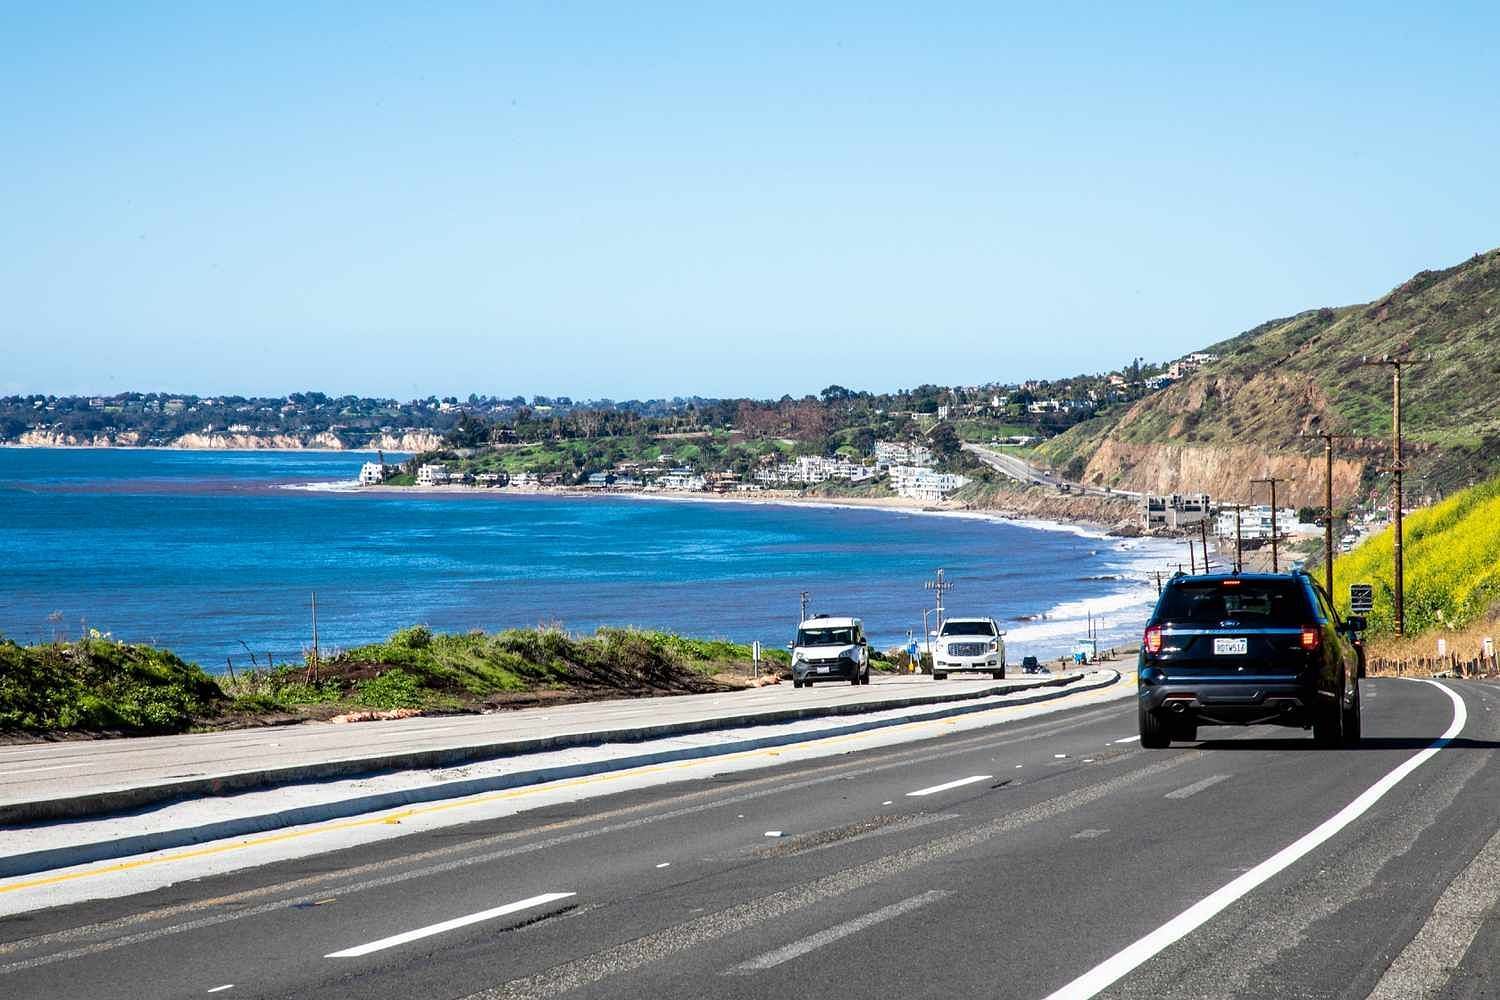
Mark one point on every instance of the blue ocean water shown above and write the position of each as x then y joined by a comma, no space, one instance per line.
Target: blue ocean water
207,552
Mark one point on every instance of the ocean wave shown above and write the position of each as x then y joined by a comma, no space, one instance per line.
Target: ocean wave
335,486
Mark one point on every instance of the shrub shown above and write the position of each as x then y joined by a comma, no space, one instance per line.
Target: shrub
392,689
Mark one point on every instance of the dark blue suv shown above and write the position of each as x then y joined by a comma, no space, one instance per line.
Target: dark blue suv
1245,650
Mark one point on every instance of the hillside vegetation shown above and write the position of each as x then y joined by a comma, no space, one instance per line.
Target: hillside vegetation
1286,377
1452,559
99,686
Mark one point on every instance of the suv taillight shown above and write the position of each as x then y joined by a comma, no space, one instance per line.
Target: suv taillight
1153,639
1312,637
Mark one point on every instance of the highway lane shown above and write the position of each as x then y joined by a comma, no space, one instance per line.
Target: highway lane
1036,852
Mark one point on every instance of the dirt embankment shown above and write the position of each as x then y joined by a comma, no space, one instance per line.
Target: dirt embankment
1115,514
1222,472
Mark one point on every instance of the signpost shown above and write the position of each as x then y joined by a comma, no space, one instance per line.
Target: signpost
755,656
1361,598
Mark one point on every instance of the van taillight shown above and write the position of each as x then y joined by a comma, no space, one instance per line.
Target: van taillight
1312,638
1153,639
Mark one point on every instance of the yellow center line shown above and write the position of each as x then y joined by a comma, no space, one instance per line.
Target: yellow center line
490,797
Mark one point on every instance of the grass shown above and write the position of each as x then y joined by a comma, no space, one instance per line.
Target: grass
98,685
1452,578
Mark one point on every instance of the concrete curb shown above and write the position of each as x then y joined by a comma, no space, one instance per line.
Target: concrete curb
77,854
121,799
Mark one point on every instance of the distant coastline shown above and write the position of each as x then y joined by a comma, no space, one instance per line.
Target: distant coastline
1040,510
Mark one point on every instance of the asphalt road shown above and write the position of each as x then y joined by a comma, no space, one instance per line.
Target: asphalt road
1005,863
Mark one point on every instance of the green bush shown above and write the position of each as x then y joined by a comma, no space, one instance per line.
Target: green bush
391,689
99,685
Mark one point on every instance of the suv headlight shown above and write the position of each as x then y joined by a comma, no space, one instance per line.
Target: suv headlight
994,645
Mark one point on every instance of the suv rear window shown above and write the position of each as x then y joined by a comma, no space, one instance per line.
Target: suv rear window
1252,603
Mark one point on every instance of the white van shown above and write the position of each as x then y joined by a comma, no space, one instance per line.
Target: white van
830,649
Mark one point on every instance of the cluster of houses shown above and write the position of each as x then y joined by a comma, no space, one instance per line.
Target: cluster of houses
809,470
909,467
1252,523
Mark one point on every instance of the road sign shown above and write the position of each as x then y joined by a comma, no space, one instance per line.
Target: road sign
1361,598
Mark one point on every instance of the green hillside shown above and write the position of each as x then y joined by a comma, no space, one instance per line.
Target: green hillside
1288,376
1452,557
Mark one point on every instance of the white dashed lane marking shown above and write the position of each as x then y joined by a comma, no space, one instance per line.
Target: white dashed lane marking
797,949
957,783
1197,786
449,925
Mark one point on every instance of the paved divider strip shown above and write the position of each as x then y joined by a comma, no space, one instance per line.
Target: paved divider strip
98,803
116,847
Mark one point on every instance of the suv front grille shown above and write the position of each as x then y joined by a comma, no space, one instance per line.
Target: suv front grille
968,648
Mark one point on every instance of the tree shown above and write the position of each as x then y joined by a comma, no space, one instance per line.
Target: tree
943,440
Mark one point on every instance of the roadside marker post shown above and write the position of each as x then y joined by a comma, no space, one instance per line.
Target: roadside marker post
755,657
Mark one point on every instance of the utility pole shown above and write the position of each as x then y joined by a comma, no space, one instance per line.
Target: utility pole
312,668
1398,467
805,597
1275,531
1192,558
1239,536
1328,440
1203,534
939,586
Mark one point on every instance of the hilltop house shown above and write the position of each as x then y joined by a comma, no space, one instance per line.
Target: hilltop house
889,453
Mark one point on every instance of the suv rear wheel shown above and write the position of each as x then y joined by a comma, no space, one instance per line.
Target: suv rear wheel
1154,732
1352,724
1328,727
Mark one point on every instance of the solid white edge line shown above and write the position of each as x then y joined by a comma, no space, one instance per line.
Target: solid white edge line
1115,968
220,989
449,925
959,783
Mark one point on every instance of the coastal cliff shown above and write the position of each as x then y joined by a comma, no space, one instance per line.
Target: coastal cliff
407,441
1254,407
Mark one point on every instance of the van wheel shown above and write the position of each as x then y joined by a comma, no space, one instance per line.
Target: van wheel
998,675
796,683
866,678
939,676
1154,732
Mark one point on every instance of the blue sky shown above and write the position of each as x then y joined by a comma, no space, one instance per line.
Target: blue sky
634,200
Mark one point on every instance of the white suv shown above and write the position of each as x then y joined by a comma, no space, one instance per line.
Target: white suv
974,644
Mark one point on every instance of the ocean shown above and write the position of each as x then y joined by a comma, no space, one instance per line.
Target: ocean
214,554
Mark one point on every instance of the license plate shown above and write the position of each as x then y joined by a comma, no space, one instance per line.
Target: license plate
1231,647
824,670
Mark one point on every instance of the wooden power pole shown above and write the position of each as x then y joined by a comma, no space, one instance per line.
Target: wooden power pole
1328,440
1397,469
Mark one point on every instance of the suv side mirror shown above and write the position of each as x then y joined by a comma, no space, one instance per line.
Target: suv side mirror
1356,623
791,645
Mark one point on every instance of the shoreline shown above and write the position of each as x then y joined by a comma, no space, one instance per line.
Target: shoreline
18,446
783,498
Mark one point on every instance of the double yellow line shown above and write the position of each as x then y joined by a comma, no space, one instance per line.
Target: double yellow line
483,799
